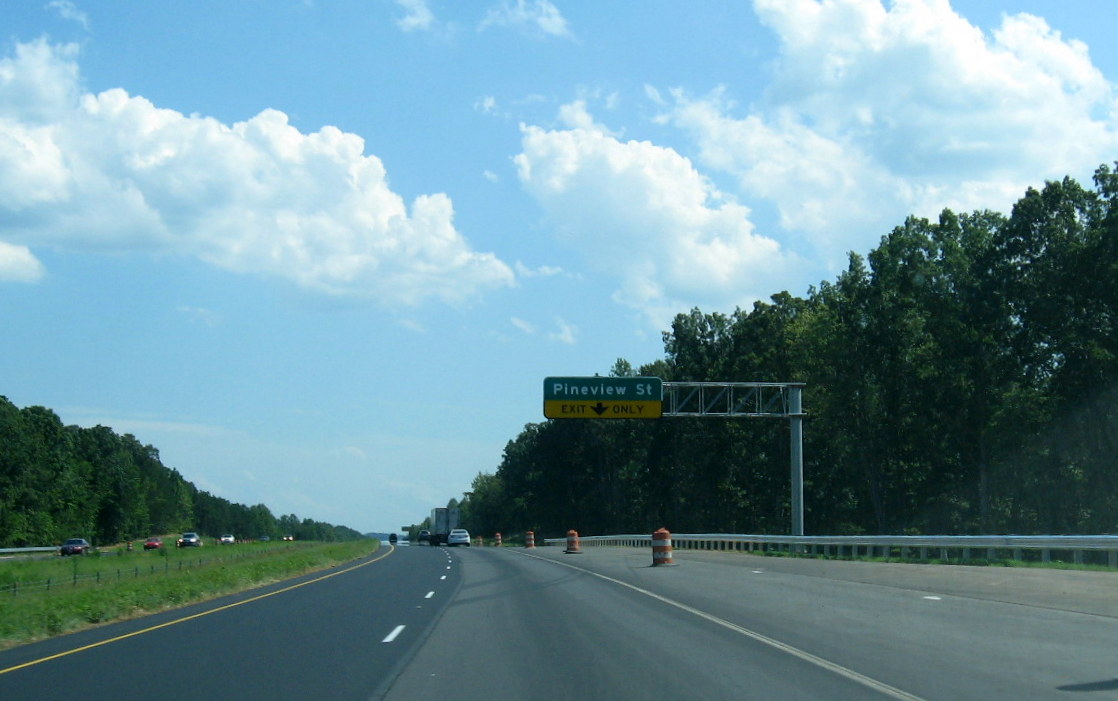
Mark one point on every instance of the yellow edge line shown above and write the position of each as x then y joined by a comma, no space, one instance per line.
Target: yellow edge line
850,674
391,549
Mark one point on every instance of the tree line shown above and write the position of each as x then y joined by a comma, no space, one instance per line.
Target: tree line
960,379
59,482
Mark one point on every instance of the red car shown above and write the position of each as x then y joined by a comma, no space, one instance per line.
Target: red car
153,543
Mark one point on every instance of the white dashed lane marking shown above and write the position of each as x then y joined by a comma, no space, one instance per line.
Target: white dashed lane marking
392,636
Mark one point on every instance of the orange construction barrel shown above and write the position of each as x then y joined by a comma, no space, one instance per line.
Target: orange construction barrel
662,548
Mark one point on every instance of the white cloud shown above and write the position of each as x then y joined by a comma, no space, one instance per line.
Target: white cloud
201,315
876,113
536,15
418,15
524,326
352,451
17,264
142,427
69,11
643,214
486,105
922,90
575,115
113,171
564,332
523,271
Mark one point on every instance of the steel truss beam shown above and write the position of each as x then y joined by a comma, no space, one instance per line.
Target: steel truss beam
746,399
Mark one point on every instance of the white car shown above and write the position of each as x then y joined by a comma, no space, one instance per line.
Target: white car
459,536
189,540
228,539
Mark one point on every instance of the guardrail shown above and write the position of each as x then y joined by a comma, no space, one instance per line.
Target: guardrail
17,551
1102,549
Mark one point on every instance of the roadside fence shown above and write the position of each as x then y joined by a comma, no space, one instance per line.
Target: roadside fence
131,567
100,576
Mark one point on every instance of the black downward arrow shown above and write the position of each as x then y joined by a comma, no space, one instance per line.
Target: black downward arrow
599,408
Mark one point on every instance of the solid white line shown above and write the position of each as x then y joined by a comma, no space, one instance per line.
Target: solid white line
392,636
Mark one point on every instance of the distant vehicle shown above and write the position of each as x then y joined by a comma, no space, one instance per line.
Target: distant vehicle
265,538
392,538
152,543
425,536
228,539
289,537
75,546
443,521
189,540
459,536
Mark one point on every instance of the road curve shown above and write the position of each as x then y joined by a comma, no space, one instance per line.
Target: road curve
478,624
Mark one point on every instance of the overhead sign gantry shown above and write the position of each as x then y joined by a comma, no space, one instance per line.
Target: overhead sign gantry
651,398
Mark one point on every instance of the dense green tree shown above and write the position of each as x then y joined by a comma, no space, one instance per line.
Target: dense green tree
58,482
961,378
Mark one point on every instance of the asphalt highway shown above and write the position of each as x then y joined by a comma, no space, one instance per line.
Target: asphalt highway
334,635
479,624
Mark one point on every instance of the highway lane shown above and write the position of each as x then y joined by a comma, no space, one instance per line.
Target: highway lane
723,626
937,632
340,634
487,623
524,627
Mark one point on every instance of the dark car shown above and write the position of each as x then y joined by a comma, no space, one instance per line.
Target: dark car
189,540
152,543
75,546
425,537
392,538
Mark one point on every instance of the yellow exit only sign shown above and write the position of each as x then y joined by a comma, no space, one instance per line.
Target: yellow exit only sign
603,397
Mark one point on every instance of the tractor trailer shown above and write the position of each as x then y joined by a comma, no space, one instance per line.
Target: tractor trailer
443,520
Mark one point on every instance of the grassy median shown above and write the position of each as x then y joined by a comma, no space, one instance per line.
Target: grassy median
45,597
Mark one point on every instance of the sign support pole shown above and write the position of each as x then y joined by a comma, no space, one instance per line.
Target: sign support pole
796,426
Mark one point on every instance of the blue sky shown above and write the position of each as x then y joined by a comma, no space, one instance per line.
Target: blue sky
322,254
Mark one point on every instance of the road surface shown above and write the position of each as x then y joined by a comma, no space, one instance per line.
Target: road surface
487,623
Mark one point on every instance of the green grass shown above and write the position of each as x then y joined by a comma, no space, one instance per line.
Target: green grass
90,590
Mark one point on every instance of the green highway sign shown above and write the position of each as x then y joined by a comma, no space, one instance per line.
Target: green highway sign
603,397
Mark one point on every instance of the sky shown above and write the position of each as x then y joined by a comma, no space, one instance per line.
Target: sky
322,254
